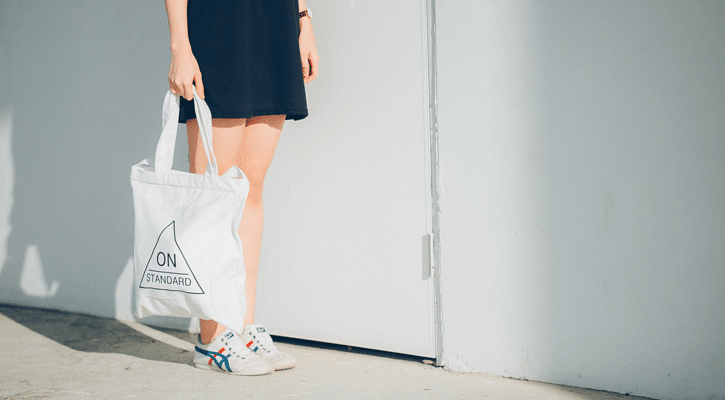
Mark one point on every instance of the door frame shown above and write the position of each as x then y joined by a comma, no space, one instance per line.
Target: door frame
432,127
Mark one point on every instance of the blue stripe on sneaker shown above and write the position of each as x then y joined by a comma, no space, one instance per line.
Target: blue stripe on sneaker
212,354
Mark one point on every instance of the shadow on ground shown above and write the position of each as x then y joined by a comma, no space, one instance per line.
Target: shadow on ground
106,335
330,373
94,334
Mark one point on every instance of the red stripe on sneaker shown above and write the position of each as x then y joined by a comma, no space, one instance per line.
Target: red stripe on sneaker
214,356
250,343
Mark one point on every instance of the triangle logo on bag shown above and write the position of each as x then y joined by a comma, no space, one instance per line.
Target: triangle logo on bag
167,268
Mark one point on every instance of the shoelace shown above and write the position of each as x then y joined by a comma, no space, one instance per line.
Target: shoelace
231,351
265,341
229,348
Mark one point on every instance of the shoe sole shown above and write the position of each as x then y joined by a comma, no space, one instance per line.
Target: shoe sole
285,366
253,372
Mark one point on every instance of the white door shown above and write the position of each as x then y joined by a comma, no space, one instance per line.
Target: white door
347,195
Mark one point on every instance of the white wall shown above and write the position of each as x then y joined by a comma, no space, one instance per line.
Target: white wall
81,88
583,173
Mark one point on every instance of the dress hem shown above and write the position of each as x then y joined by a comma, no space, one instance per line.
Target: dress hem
289,114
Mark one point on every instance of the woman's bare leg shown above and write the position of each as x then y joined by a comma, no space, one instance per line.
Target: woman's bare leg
258,146
249,144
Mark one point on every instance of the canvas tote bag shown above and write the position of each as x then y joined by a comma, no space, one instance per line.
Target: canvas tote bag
187,252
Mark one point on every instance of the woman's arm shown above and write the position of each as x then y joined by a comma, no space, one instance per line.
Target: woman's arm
308,48
184,70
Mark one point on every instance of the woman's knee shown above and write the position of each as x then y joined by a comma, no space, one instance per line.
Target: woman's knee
255,168
255,174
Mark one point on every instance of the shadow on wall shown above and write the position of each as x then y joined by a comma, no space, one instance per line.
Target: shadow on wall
81,89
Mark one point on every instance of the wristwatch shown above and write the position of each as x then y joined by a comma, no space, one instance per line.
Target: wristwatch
306,13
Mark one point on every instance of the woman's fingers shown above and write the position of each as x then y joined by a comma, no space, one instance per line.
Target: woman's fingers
183,72
172,86
308,75
305,67
199,85
180,87
188,91
314,63
309,67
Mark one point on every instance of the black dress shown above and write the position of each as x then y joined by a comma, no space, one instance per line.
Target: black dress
249,57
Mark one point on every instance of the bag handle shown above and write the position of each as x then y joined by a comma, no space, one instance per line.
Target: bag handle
170,117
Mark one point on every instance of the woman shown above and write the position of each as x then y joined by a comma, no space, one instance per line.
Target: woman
255,57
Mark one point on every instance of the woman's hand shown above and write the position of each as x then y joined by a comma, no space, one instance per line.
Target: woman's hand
308,50
183,72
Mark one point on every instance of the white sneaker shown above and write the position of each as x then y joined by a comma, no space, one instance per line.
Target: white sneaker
258,340
227,353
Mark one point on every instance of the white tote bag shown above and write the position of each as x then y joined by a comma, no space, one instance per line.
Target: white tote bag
187,251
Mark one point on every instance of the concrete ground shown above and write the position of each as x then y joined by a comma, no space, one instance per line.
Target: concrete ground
60,355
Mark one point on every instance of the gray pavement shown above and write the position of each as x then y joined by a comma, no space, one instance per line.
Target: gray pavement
59,355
